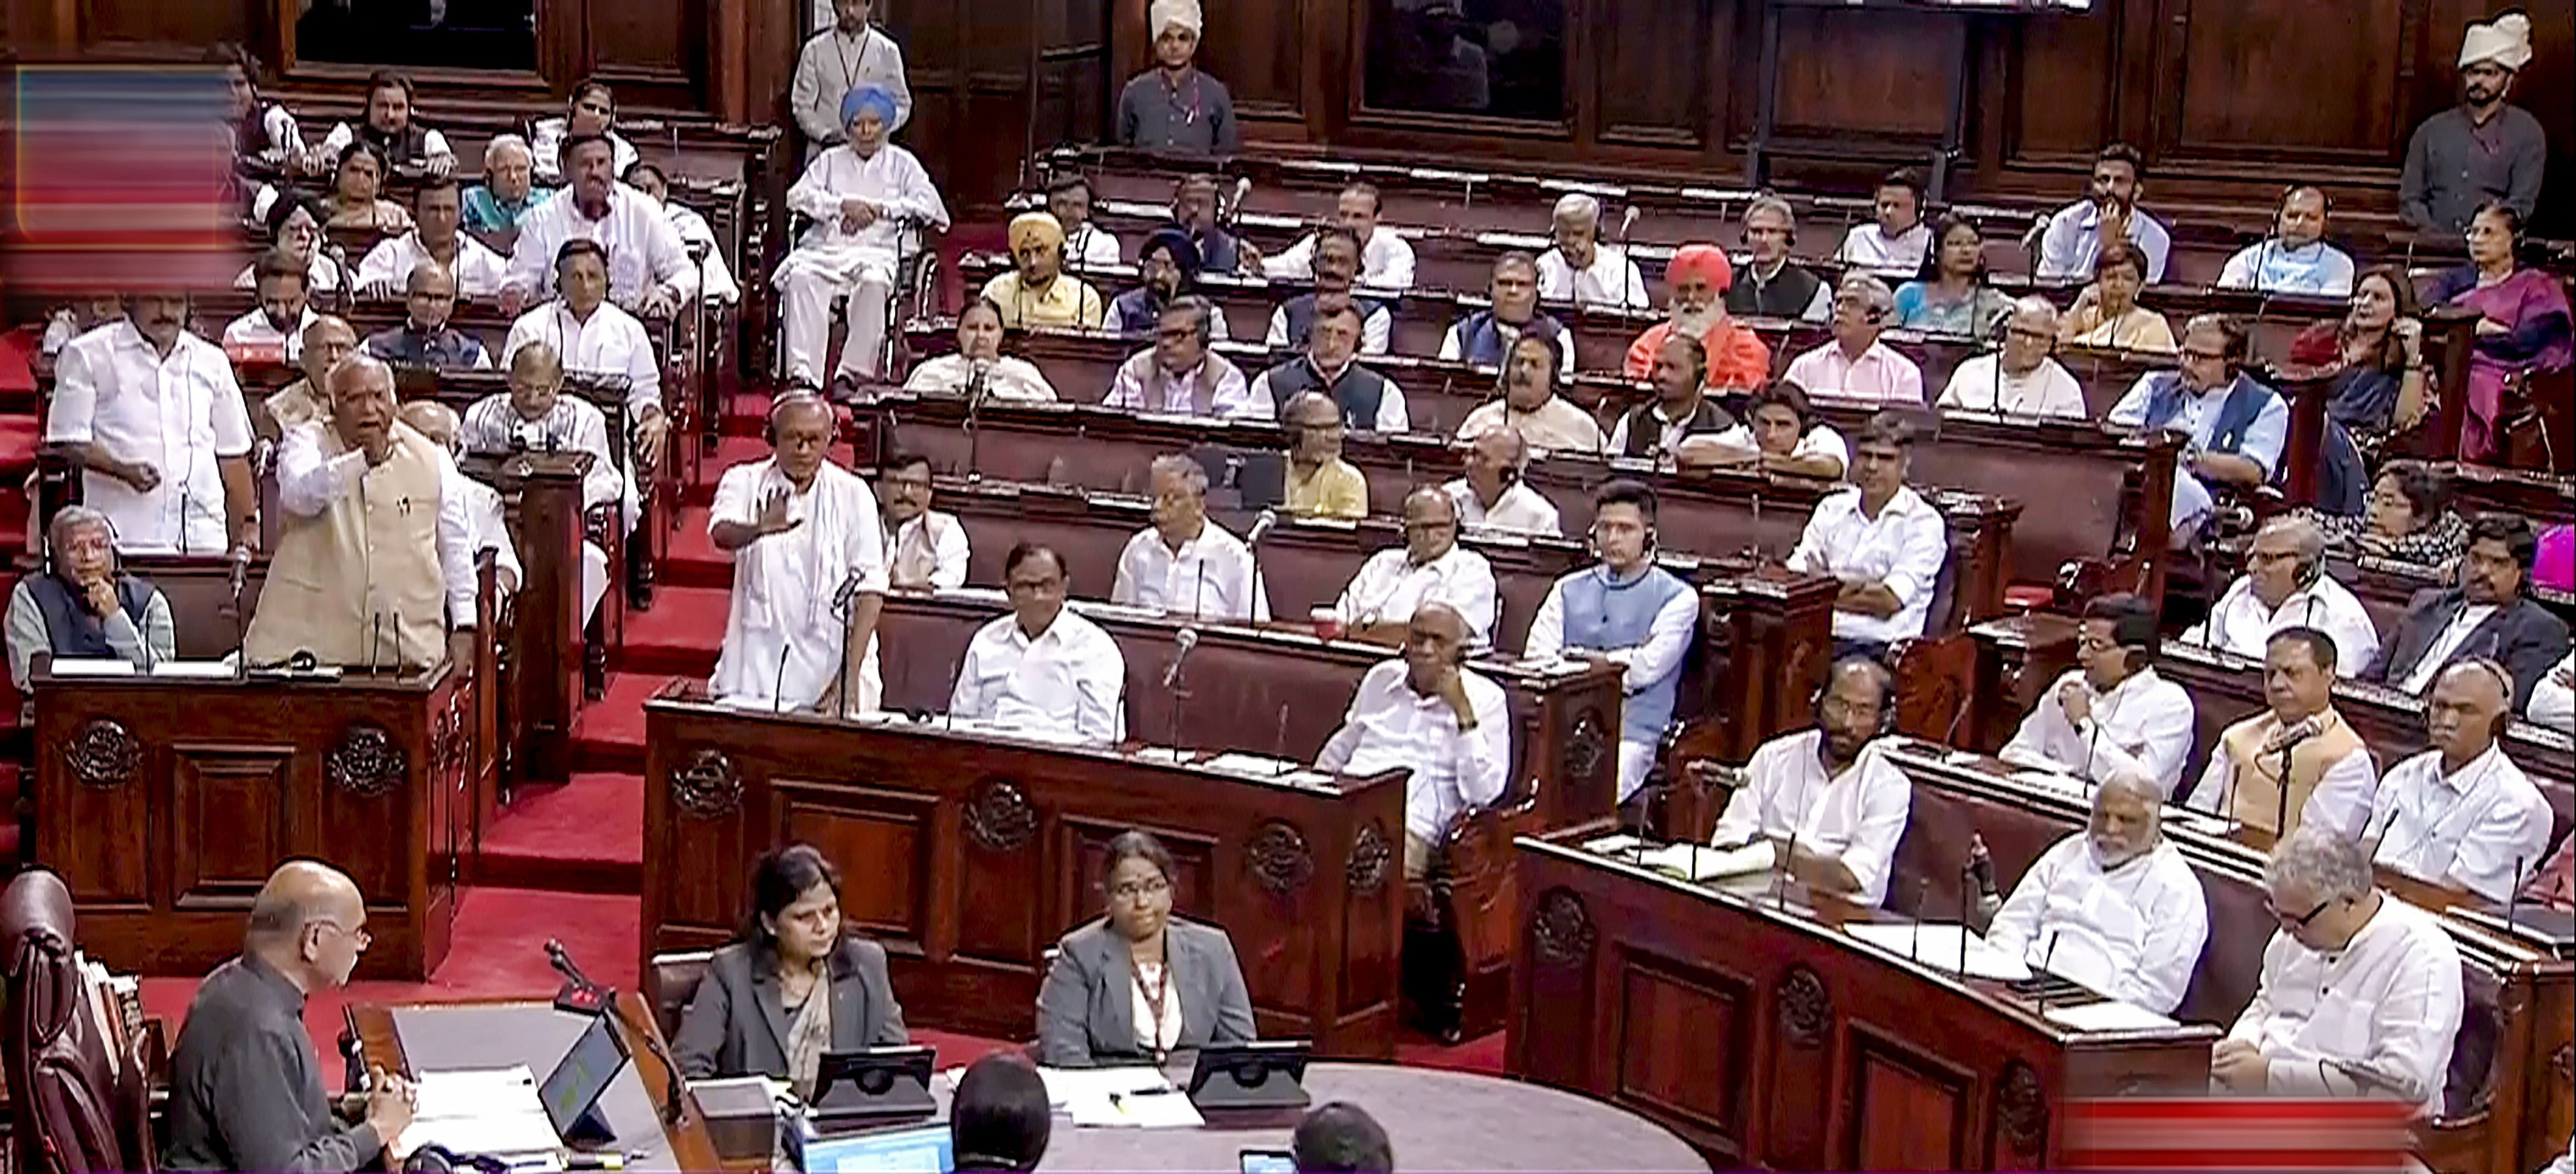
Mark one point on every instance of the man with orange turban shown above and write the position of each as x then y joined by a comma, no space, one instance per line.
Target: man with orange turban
1698,278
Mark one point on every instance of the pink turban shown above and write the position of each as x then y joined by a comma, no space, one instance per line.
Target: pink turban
1706,262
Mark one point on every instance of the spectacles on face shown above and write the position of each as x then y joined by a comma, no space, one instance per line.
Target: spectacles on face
1136,892
2204,356
2299,922
360,934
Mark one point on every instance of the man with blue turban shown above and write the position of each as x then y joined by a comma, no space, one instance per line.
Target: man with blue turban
865,196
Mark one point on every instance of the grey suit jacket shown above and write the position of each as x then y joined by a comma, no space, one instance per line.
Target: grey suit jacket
2525,639
1086,1012
736,1025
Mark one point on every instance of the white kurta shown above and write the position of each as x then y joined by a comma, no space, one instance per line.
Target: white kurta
1867,246
2132,933
717,284
1980,384
575,425
2143,726
1212,576
1856,817
1611,280
783,644
1071,680
1902,549
612,342
2240,624
255,330
1008,378
2387,1004
386,270
181,415
2481,829
1389,588
1390,727
830,263
928,551
2553,701
1386,261
644,251
1520,508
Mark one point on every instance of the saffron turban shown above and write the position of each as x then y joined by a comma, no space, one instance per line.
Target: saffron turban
1705,262
1036,228
867,98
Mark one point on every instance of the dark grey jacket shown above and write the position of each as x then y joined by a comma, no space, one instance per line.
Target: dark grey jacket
737,1026
2524,638
1086,1012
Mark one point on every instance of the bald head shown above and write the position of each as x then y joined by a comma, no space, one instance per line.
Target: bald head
2466,710
1311,409
299,893
432,419
1441,620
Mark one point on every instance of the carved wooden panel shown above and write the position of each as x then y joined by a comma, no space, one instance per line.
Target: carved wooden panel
1261,48
1685,1042
999,879
228,828
343,812
2226,97
1675,44
1909,1110
886,833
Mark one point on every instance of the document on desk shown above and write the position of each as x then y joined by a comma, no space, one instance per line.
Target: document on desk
2108,1015
1936,944
89,666
194,670
1122,1098
480,1111
1699,862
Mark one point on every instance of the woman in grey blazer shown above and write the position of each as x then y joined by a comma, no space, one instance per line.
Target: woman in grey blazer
756,1010
1139,984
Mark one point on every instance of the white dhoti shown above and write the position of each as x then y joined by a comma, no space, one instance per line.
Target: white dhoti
1635,759
786,627
594,580
808,280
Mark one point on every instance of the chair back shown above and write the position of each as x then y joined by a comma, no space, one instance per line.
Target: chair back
675,979
73,1107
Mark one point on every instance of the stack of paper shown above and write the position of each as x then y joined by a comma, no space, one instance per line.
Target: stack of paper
1125,1098
2109,1015
480,1111
1699,862
1938,945
1260,766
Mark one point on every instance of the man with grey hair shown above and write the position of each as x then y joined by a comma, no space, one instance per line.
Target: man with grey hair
509,189
1180,375
483,508
2360,993
2461,815
1431,567
2286,585
245,1087
1493,495
82,605
327,341
1185,564
2115,906
1581,269
1773,286
1854,366
2022,378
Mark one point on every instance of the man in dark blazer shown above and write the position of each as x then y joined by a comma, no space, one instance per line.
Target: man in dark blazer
737,1025
2485,615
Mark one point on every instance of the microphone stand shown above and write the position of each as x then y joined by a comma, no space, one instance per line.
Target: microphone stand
977,380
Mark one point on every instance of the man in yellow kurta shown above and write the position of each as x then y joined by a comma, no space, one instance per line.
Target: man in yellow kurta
1037,293
1320,483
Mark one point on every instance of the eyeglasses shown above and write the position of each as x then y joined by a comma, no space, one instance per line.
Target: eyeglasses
359,934
2299,922
1133,891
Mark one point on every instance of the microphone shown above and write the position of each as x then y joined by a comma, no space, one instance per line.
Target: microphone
1780,872
1261,527
2513,899
1967,876
1182,642
2307,728
375,639
1279,749
1914,944
1981,868
2046,958
578,994
1627,220
1233,211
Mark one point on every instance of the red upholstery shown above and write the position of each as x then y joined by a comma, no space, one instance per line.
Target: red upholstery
2029,597
70,1110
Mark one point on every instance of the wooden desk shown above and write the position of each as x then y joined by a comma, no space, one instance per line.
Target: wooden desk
542,497
439,1037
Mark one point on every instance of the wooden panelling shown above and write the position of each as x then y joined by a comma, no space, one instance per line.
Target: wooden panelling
659,47
1884,72
1685,1041
1260,48
226,836
2223,103
191,23
1908,1110
2058,87
1676,45
885,832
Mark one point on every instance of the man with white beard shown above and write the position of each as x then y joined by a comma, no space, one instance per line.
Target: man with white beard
2115,906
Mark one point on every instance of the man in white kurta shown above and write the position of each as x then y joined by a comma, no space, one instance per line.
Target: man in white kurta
2111,714
1386,261
808,576
277,324
1043,669
592,336
2461,815
1827,797
157,425
2285,585
438,212
1184,564
1582,269
536,416
1430,567
2360,992
1881,540
2114,907
925,549
649,270
1426,712
864,196
1493,494
487,517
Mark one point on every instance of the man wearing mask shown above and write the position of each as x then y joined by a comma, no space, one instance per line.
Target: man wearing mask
150,414
2482,149
1826,799
2109,212
1180,376
1580,268
863,194
1331,366
276,325
1854,366
1629,612
1336,264
1184,564
647,267
1167,269
1386,262
2021,378
2234,428
1680,410
1491,494
1320,483
849,56
1174,106
2461,815
1698,278
2489,614
1881,540
1530,405
1426,712
809,573
1430,567
1774,286
593,336
2111,714
2285,585
1042,667
2295,259
926,550
438,212
425,339
1484,337
2114,907
2329,776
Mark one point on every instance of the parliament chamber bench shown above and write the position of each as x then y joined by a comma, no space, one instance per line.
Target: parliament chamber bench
1000,837
1807,1016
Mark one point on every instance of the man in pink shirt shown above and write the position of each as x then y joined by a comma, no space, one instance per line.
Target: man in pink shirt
1855,367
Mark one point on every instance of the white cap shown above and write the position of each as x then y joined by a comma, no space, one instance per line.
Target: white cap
1166,13
2506,40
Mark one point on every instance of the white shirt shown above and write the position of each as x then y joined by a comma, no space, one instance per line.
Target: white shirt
1391,727
2553,702
1867,246
1376,328
1557,426
1611,280
2240,624
255,330
891,180
1643,666
1211,576
309,483
1389,588
574,425
179,414
2132,933
1177,395
1979,384
1520,509
644,251
2478,829
1878,376
489,525
2143,726
611,343
1009,378
2387,1003
2263,443
545,150
2074,239
1088,247
2429,669
2341,800
386,271
928,551
321,274
1903,548
782,642
2313,268
1855,817
1820,440
1386,262
1069,680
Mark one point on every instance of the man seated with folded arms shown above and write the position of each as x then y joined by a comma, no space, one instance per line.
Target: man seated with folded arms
278,322
327,341
1338,1137
2331,775
591,335
537,416
509,191
1775,286
353,583
1881,540
1381,598
863,195
1139,984
1331,366
1580,268
2021,378
2115,906
1424,711
1043,667
796,963
427,338
246,1087
1780,434
926,550
2111,714
2488,613
1180,376
978,366
1492,495
83,605
1320,483
2286,585
484,512
1337,266
1896,241
1826,798
1000,1119
1386,261
1484,337
1167,270
1854,366
1698,279
1530,404
2461,815
1036,292
1625,610
2360,992
809,573
437,213
2234,428
2553,700
2295,259
1184,564
648,269
1681,409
